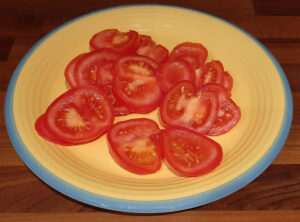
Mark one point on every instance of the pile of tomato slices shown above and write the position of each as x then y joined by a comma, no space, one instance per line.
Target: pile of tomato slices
126,72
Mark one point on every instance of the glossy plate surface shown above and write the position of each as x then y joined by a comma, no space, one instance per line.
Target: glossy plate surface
88,173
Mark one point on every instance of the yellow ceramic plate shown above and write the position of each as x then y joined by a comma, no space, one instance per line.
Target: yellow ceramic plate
88,173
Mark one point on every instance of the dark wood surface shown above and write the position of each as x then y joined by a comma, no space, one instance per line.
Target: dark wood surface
273,196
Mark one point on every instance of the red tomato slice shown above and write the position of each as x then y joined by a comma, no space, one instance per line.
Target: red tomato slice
70,71
145,40
121,42
135,84
80,114
119,109
228,114
134,145
105,75
43,130
88,66
211,72
194,53
190,154
158,53
188,107
172,72
228,81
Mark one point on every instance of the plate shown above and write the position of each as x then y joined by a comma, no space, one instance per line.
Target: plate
87,172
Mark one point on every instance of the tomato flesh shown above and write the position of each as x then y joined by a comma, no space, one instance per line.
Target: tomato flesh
194,53
228,81
70,70
172,72
135,84
43,130
89,65
134,145
228,114
121,42
81,114
188,153
188,107
211,72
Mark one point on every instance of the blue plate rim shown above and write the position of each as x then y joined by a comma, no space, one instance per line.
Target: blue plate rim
135,206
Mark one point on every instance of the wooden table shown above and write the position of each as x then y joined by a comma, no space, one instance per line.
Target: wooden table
273,196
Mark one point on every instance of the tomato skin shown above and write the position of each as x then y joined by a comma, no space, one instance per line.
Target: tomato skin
79,115
87,67
172,72
121,42
190,154
228,114
135,84
134,144
228,81
211,72
43,130
188,107
70,70
194,53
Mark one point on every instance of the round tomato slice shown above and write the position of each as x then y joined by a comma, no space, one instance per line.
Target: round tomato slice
228,114
158,53
172,72
188,107
190,154
194,53
211,72
119,109
135,145
80,115
121,42
105,75
70,71
135,84
88,66
228,81
43,130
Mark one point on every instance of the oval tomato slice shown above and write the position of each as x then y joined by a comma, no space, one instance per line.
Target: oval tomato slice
228,81
87,67
188,107
158,53
211,72
190,154
43,130
70,71
172,72
135,84
121,42
134,145
79,115
194,53
119,109
228,114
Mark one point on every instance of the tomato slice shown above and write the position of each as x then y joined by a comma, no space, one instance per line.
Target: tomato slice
135,84
43,130
105,75
194,53
188,107
190,154
79,115
119,109
135,145
172,72
158,53
228,114
70,71
88,66
211,72
121,42
228,81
